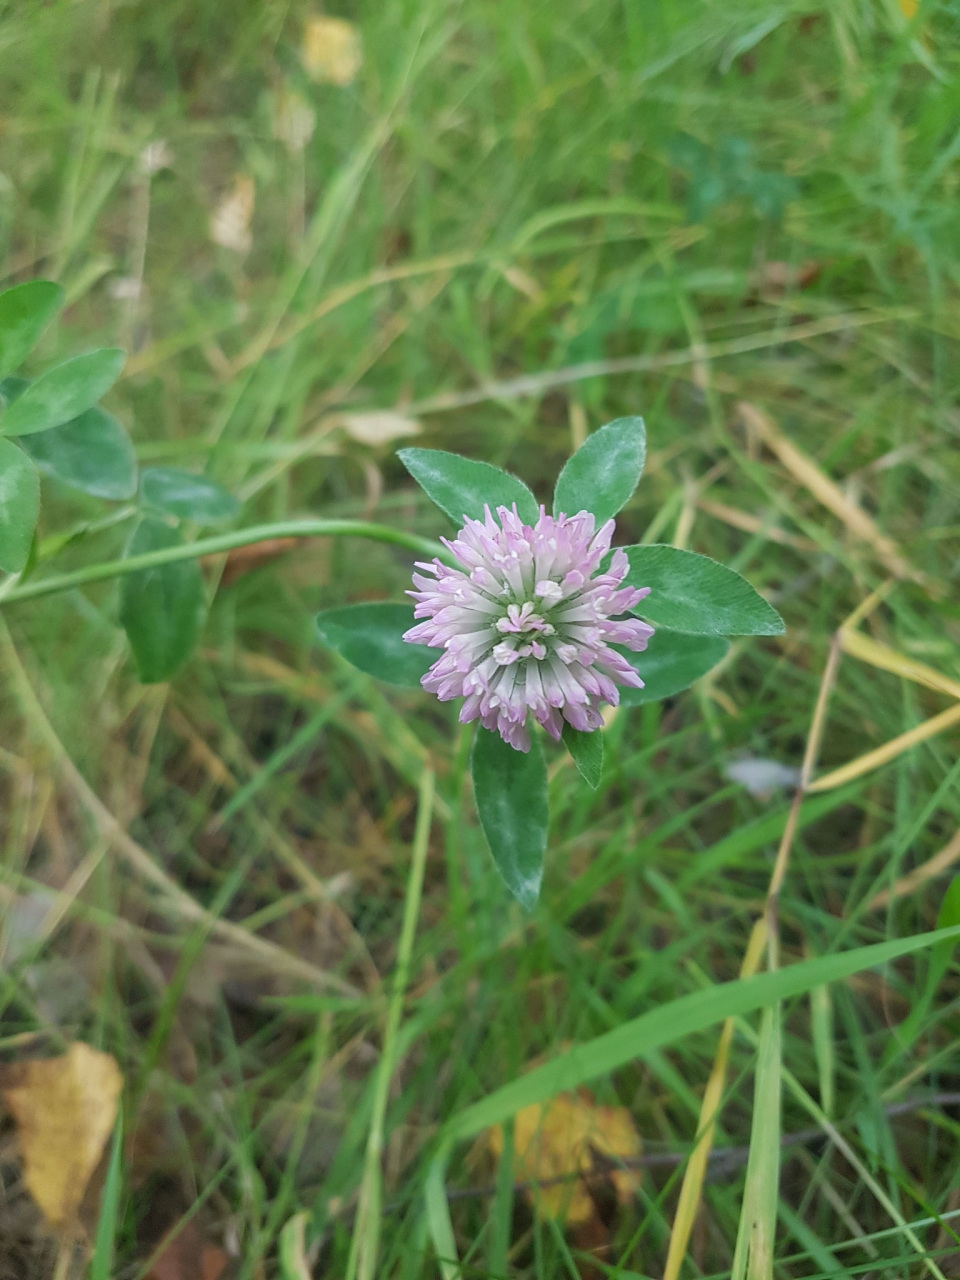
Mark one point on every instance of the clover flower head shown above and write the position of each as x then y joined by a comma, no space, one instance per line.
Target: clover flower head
526,623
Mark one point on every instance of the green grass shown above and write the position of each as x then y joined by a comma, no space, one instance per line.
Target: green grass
508,187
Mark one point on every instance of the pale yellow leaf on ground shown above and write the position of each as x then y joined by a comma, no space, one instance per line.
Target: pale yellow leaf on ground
380,427
65,1109
561,1137
230,221
294,120
331,50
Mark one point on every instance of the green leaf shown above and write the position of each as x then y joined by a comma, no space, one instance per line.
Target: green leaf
510,789
63,392
693,593
587,752
92,453
753,1255
292,1248
19,506
101,1264
603,473
670,663
162,609
949,913
25,311
461,487
187,496
371,637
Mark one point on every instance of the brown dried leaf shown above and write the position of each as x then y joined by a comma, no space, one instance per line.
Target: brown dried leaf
188,1257
243,560
331,50
65,1109
560,1138
777,277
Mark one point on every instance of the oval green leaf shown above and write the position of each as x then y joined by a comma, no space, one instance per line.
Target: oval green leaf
462,487
586,750
603,473
187,496
671,662
92,453
63,392
371,637
690,592
25,311
162,609
510,790
19,506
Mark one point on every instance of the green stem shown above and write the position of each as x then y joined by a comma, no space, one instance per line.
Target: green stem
364,1247
219,543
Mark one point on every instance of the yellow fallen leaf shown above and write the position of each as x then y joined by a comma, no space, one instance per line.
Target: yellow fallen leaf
294,120
559,1138
331,50
230,221
380,427
65,1109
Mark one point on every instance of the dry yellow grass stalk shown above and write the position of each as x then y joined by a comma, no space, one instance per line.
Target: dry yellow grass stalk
879,655
808,474
696,1169
948,855
752,524
889,751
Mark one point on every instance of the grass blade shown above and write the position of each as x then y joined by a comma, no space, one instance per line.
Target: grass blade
101,1264
362,1262
696,1169
754,1253
669,1022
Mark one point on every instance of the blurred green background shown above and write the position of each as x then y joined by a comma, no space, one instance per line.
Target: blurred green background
317,241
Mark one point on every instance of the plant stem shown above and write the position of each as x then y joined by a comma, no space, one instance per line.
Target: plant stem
219,543
362,1262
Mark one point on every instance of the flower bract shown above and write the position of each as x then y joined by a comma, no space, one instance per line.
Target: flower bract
526,623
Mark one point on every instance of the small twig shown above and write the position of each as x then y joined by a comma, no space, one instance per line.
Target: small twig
721,1160
536,384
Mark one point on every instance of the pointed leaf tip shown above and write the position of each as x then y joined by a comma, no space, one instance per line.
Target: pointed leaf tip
690,592
604,472
461,487
586,751
370,636
63,392
25,311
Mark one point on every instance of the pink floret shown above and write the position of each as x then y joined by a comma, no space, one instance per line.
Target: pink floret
527,621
